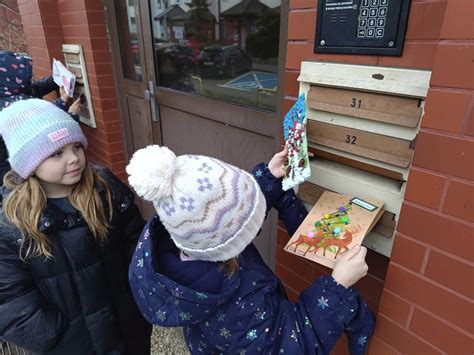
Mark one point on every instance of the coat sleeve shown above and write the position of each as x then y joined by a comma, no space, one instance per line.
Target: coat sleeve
26,320
290,208
332,309
43,87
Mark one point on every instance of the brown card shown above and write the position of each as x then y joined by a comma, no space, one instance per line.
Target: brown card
335,223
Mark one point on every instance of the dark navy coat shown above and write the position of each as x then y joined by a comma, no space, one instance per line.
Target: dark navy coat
16,73
78,301
248,311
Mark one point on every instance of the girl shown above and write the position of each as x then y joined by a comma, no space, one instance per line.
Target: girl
67,234
210,278
16,83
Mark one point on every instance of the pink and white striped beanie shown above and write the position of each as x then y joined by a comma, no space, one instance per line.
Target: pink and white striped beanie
211,209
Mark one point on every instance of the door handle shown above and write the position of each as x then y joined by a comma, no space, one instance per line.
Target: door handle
150,96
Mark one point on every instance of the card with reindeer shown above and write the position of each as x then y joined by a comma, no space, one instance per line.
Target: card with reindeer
335,223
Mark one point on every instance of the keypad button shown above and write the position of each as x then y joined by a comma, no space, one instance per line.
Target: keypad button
379,32
373,12
372,22
364,12
381,22
362,23
383,12
370,32
361,33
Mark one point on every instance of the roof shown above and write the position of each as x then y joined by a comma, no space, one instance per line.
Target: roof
173,13
245,8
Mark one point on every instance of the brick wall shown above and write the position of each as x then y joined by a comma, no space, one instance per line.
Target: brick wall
12,36
424,301
50,23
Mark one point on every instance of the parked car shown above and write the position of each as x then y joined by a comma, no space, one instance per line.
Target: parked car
219,60
175,65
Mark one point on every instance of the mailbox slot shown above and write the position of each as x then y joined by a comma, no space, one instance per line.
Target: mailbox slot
394,151
74,61
397,110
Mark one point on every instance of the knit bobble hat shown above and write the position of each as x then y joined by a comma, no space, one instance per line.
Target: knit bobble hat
211,209
35,129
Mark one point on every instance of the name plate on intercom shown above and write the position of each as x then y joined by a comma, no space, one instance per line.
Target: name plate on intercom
361,26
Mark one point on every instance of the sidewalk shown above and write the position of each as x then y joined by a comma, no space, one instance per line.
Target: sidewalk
168,341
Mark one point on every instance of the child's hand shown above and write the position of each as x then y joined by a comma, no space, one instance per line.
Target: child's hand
351,267
277,164
74,108
63,94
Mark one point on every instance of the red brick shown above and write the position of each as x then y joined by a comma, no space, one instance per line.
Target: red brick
433,298
292,295
295,282
442,232
296,53
395,308
417,54
408,253
345,58
401,339
378,264
296,264
425,20
302,25
303,4
292,85
469,130
445,154
282,237
371,289
424,188
29,8
460,200
454,66
378,347
445,110
455,274
440,334
340,348
458,20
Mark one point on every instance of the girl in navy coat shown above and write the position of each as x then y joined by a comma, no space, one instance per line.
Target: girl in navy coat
210,279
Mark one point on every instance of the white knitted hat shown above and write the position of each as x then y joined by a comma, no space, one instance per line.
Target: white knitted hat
211,209
33,130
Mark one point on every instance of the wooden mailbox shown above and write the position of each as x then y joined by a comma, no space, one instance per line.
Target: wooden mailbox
74,61
362,126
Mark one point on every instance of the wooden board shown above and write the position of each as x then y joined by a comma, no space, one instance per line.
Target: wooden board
396,110
387,149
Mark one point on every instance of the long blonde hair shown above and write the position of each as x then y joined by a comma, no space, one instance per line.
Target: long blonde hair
27,199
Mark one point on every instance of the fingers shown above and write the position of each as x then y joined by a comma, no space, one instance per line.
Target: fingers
352,252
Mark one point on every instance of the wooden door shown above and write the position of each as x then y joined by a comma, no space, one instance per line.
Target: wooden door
210,95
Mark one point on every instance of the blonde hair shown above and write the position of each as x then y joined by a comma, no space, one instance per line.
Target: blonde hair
27,199
230,266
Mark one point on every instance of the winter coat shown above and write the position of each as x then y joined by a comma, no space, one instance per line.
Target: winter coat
246,312
79,300
16,73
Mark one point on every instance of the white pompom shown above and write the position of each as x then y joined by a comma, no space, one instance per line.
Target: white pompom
151,172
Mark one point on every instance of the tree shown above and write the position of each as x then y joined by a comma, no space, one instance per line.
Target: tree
264,42
200,20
